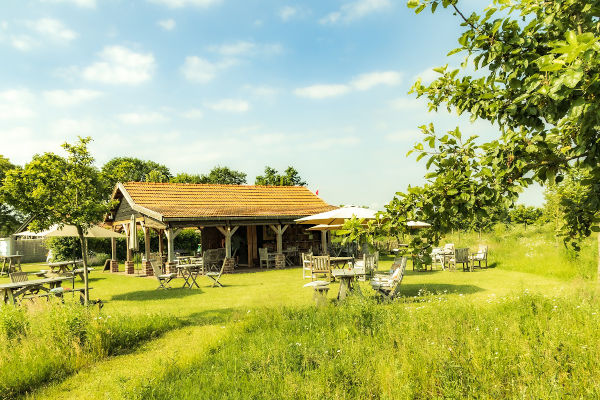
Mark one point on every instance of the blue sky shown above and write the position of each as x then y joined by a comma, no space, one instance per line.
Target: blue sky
320,85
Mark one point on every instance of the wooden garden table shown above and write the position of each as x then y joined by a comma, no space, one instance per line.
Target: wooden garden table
190,272
10,292
340,260
347,278
14,263
64,266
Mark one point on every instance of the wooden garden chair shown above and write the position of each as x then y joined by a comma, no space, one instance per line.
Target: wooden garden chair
265,257
480,256
388,285
321,265
215,276
461,256
307,265
163,279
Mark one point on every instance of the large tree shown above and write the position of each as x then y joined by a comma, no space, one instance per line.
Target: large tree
9,219
537,78
532,69
272,177
131,169
56,190
218,175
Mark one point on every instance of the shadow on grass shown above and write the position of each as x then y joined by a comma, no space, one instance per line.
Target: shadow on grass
210,317
437,288
155,294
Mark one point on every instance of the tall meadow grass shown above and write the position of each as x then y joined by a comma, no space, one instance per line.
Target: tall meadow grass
520,346
52,341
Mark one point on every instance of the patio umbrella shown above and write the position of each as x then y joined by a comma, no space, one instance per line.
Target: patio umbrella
71,231
417,224
338,216
133,240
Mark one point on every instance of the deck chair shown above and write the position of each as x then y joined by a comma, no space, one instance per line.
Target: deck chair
321,265
307,265
364,267
215,276
163,279
388,285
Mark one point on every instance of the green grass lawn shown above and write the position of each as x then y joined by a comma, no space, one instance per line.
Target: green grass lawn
400,350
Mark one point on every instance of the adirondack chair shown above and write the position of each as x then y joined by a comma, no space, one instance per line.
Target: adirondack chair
321,265
163,279
461,256
388,285
480,256
215,276
265,257
307,265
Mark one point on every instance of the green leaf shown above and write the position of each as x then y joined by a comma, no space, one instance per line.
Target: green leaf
572,77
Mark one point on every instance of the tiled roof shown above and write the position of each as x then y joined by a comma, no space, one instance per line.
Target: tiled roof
181,200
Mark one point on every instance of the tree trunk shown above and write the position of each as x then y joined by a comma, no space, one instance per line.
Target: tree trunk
86,294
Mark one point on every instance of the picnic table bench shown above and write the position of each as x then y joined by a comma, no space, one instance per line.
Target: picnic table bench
64,266
10,292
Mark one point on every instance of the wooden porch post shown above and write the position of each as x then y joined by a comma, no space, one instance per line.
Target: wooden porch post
252,242
279,233
114,264
279,257
129,267
324,242
147,264
161,243
228,232
171,234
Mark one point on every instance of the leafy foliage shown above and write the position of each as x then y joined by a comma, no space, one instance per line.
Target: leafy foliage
538,69
130,169
9,219
217,175
526,215
291,177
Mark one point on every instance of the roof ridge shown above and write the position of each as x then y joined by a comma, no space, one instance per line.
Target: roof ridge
210,184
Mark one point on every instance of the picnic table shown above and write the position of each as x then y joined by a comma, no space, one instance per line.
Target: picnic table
343,261
347,278
64,266
10,292
190,272
14,263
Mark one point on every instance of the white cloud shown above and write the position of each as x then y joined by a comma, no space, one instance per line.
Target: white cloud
199,70
194,113
234,49
68,127
367,81
80,3
16,104
287,12
142,118
402,135
167,24
355,10
361,82
120,65
185,3
245,48
230,105
22,42
51,29
262,91
68,98
322,91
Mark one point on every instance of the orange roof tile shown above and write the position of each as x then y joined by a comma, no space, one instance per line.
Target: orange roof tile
182,200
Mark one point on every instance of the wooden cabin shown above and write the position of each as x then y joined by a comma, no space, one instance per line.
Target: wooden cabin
239,218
